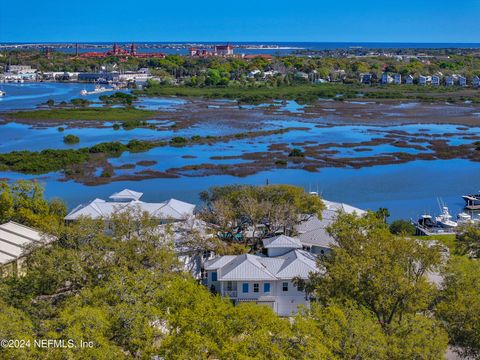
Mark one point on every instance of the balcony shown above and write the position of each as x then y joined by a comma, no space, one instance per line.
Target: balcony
230,293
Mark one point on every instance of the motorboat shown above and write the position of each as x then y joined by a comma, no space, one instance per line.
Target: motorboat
444,220
463,218
2,93
426,221
84,92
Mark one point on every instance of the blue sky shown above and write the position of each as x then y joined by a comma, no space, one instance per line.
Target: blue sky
242,20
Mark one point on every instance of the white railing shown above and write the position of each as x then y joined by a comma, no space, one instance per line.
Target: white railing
230,293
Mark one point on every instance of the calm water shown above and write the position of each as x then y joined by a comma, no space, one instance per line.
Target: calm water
406,189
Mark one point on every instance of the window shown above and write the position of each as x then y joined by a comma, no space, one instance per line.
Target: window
214,276
285,286
245,287
256,288
229,286
266,287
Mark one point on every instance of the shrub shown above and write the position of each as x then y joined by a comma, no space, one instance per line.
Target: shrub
71,139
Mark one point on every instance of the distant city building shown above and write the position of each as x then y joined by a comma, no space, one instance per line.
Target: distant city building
119,52
218,50
435,80
20,69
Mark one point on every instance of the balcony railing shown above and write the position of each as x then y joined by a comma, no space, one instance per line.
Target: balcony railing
230,293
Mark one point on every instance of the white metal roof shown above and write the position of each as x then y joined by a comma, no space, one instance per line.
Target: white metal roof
98,208
282,241
314,230
126,194
246,267
15,239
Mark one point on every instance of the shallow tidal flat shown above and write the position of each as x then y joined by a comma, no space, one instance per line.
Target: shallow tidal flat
189,145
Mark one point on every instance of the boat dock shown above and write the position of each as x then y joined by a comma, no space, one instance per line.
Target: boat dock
424,231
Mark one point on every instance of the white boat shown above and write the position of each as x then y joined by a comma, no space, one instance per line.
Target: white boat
463,218
84,92
445,219
2,93
98,89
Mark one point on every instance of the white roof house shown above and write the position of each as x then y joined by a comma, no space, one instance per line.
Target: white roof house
16,240
313,233
128,200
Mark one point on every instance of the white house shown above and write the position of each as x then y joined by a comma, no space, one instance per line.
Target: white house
129,200
397,79
435,80
409,80
313,233
265,280
462,81
476,81
252,73
449,81
16,241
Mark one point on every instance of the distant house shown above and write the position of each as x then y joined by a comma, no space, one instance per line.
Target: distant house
435,80
301,75
386,79
223,50
424,80
366,78
449,81
476,81
462,81
128,200
16,241
252,73
397,79
409,79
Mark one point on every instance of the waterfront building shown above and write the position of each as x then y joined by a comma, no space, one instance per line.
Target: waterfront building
409,80
365,78
424,80
128,200
313,233
386,79
223,50
462,81
397,79
20,69
449,81
264,279
435,80
476,81
101,77
16,241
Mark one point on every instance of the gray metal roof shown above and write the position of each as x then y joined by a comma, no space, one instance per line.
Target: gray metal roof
282,241
313,231
247,267
16,239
